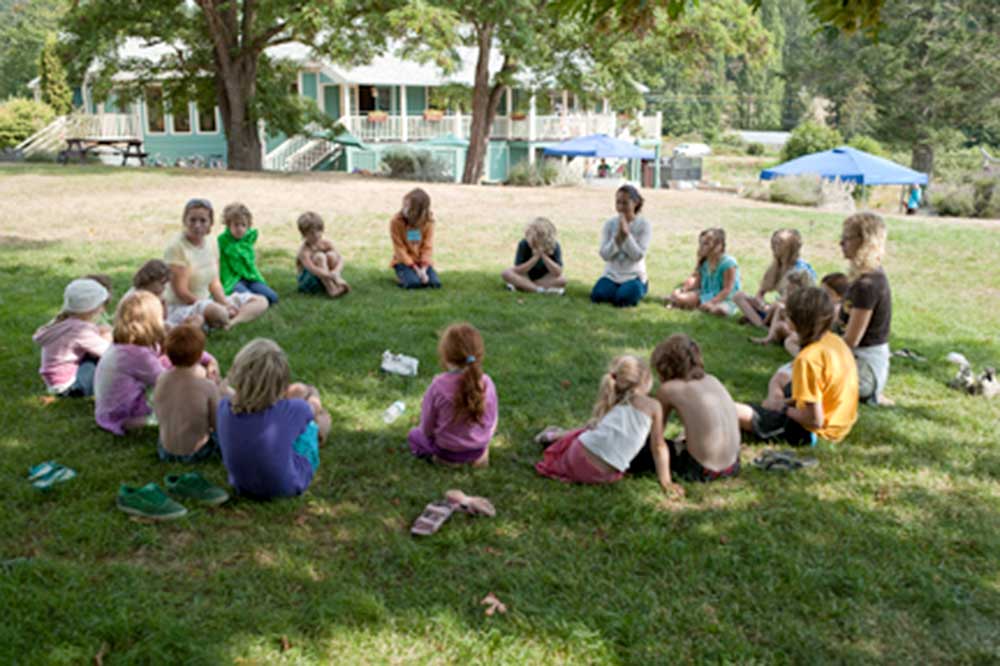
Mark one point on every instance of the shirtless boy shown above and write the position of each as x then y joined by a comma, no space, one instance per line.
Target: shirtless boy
710,446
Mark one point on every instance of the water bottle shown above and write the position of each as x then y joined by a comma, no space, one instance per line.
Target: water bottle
395,410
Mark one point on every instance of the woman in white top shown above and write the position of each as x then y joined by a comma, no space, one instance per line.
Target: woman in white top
624,417
195,292
624,241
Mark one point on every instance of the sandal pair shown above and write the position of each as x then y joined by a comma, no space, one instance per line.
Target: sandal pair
782,461
437,513
46,474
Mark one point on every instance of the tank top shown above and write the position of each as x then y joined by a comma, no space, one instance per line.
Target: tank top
619,436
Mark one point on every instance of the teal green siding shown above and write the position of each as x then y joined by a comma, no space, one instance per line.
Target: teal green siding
169,147
309,85
331,98
323,78
497,161
518,152
416,100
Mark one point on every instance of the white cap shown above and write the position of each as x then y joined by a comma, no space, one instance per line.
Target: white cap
84,295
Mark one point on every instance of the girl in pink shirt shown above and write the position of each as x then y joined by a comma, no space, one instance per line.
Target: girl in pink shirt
459,412
73,342
131,365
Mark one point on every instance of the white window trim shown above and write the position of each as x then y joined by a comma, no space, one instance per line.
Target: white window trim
197,118
173,127
145,113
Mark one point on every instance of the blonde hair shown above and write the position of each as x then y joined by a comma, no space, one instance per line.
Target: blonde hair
625,377
716,233
786,244
870,227
139,320
260,376
461,346
236,211
309,221
541,233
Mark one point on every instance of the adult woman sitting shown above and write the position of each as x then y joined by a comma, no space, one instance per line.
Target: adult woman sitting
195,293
866,313
624,242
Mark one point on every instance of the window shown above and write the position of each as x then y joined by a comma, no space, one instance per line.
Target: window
206,120
181,118
155,116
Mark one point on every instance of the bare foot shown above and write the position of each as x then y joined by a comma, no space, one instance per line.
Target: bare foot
484,460
761,341
885,401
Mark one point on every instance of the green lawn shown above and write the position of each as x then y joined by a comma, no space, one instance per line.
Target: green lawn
889,551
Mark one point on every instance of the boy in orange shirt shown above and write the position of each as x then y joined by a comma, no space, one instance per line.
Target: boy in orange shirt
822,398
412,234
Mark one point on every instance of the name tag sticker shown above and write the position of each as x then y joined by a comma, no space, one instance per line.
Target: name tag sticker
413,235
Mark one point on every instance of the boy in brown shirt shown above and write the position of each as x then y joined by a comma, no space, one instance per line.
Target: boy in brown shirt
185,401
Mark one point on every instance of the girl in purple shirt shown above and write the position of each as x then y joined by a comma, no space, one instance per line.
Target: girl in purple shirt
459,412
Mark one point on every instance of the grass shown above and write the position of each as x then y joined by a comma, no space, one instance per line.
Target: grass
887,552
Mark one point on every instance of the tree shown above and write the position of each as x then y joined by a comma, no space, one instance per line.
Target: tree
52,82
23,27
219,52
533,46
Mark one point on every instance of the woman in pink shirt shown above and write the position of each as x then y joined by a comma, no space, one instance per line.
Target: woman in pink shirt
459,412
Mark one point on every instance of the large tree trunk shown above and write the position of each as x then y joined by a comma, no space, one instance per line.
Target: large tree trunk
236,89
922,158
484,109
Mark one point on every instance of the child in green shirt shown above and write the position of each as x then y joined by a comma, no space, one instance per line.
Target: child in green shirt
237,265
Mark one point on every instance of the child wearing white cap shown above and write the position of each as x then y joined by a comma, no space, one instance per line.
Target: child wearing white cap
73,342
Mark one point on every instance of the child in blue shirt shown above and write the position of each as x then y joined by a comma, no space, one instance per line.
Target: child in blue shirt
715,279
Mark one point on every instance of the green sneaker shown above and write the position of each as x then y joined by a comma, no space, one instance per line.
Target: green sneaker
148,502
192,485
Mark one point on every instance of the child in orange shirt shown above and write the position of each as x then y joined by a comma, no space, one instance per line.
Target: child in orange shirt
412,234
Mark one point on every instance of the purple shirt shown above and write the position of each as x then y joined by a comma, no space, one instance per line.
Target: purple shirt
257,449
123,374
437,416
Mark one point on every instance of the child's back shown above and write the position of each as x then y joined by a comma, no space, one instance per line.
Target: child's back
711,428
185,405
259,448
65,343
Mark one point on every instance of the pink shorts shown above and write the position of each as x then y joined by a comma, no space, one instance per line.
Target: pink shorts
566,460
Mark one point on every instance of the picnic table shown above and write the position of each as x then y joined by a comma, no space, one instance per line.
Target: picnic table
79,147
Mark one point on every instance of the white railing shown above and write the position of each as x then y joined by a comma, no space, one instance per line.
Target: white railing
386,128
52,137
651,126
277,159
420,129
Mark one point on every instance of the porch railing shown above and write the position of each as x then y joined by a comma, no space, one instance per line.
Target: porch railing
52,138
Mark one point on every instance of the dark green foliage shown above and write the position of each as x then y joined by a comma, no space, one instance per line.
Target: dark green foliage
867,144
810,137
24,25
410,164
755,148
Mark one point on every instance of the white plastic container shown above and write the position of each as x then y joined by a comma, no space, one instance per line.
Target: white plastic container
399,364
394,411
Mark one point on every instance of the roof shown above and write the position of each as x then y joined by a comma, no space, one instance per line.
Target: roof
848,164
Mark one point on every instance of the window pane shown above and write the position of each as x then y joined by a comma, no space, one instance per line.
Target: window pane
182,118
206,119
154,109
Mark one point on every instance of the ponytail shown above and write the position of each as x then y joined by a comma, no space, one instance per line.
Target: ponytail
470,400
461,347
625,377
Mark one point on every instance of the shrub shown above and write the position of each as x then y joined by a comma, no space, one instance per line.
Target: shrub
730,142
567,175
986,190
804,190
20,118
411,164
868,144
810,137
545,172
755,148
958,200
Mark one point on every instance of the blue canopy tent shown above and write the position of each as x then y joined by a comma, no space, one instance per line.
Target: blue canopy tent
599,145
848,164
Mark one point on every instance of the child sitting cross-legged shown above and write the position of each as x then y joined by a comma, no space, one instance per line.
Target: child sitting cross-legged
269,440
185,401
709,447
237,263
73,342
318,262
459,412
776,320
538,264
715,280
624,418
820,396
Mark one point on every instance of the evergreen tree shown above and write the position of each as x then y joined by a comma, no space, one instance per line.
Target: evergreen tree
52,81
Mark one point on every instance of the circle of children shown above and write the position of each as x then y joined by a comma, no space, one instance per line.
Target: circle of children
268,430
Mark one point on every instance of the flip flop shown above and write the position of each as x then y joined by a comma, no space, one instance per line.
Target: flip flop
782,461
45,475
475,506
545,437
434,516
905,352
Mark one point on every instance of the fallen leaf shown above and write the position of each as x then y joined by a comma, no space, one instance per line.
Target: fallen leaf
286,644
723,539
101,654
491,550
301,519
493,605
47,400
882,494
395,501
565,383
520,301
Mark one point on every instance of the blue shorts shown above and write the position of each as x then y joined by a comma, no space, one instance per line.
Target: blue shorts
309,283
208,450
